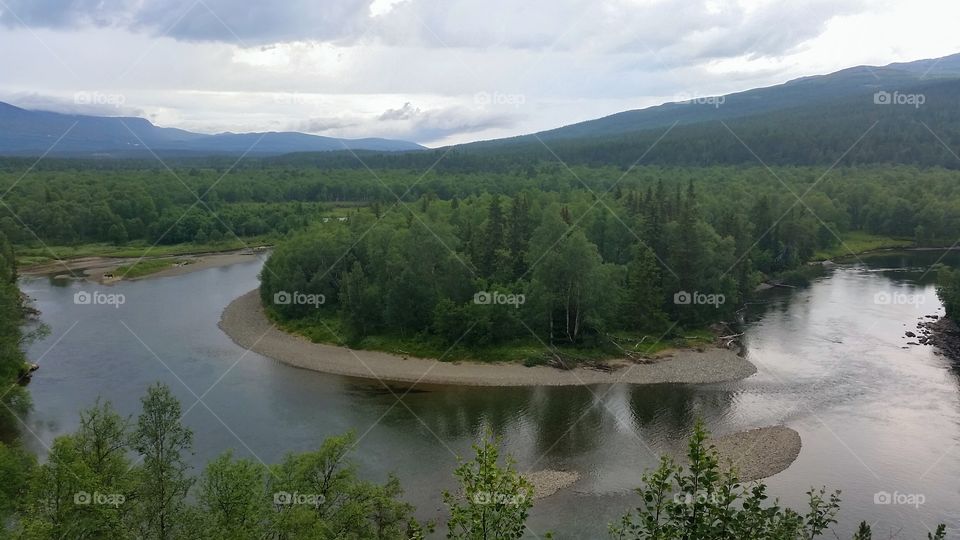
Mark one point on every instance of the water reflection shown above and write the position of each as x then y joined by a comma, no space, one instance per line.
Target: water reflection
873,415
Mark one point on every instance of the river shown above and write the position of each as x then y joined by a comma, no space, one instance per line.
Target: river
875,415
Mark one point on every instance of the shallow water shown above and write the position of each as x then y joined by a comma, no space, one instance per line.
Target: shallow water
874,416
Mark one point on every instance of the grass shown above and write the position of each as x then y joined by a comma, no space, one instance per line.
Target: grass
327,329
860,242
143,267
33,255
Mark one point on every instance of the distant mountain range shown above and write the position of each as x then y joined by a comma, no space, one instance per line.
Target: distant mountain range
24,132
808,121
795,94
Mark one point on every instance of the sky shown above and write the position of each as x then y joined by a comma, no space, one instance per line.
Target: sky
433,71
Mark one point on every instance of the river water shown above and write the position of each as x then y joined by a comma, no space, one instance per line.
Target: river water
876,416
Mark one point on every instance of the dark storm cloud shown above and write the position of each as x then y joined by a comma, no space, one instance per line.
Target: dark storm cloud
248,21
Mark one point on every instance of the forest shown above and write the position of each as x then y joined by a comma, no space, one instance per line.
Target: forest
78,202
599,267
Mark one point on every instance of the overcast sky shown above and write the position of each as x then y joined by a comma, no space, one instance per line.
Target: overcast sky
433,71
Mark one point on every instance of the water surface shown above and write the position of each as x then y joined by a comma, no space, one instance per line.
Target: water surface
875,414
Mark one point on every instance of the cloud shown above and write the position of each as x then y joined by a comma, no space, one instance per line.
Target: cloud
248,22
406,112
411,123
691,29
83,103
435,71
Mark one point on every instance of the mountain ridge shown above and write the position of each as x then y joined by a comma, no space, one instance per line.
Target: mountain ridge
34,132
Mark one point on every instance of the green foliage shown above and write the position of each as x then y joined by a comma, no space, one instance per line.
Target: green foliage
318,495
16,467
948,289
707,502
162,482
90,488
15,400
493,501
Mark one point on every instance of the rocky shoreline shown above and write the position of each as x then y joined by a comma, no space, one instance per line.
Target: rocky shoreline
940,332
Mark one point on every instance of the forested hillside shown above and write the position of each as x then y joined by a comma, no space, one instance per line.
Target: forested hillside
853,127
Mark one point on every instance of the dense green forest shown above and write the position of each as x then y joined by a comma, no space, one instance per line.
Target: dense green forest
122,478
80,203
597,254
595,264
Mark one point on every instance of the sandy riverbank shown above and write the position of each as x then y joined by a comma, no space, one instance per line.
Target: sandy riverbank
244,321
758,453
103,270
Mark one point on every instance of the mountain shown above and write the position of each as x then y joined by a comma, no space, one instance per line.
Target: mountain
24,132
817,120
798,93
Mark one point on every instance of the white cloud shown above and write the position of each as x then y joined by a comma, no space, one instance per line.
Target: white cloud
339,67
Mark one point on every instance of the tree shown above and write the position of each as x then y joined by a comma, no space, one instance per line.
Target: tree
232,501
163,484
494,500
318,495
643,301
948,289
701,501
16,467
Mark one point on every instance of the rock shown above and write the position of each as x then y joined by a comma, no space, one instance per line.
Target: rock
910,334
